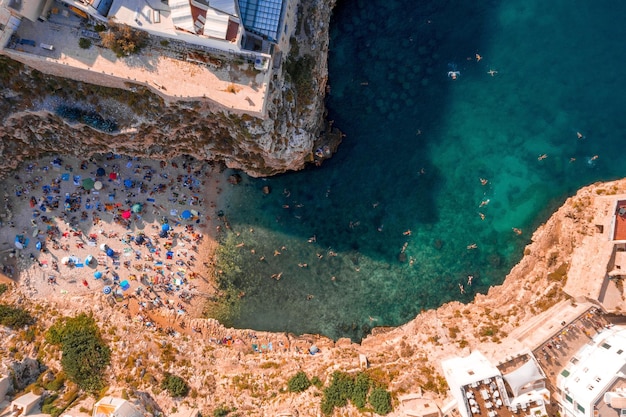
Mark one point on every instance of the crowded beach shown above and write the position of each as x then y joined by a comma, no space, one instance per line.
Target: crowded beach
134,231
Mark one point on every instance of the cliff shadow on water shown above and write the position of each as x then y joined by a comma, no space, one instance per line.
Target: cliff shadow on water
360,241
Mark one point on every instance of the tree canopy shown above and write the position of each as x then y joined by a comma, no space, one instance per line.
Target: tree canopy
85,354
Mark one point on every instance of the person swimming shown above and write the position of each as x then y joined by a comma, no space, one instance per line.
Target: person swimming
453,72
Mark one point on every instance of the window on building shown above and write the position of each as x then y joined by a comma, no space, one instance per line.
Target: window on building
606,346
619,352
580,408
565,373
568,398
598,379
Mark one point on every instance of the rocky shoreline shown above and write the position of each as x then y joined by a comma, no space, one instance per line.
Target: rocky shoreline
251,372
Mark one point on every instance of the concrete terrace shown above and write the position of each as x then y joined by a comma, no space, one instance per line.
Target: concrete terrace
168,69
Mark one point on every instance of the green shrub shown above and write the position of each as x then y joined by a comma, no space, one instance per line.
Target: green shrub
299,382
99,27
361,388
338,393
124,40
175,385
14,317
85,354
84,43
380,400
164,42
316,382
3,288
222,411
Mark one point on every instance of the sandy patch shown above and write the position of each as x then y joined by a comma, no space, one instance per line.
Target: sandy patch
130,230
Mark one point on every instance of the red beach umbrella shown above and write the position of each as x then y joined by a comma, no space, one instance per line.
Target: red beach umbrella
113,175
126,214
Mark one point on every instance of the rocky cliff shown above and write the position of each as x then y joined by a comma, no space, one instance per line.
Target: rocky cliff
43,113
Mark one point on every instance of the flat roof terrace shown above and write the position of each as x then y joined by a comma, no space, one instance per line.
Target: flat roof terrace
165,69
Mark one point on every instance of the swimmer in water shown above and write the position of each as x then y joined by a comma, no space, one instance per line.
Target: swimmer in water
478,58
461,289
482,216
517,231
542,157
469,279
572,160
454,74
472,246
580,135
483,181
484,203
407,232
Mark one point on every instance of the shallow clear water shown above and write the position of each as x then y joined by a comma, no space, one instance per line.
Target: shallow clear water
418,144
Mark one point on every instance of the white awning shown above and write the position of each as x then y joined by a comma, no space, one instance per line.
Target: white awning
181,15
216,24
522,376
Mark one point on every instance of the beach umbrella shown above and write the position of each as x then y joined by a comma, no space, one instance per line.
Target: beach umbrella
110,252
163,234
113,175
100,172
103,247
185,215
97,275
88,259
106,290
128,183
38,245
165,227
97,185
126,214
136,208
195,213
313,350
88,183
65,260
18,243
124,285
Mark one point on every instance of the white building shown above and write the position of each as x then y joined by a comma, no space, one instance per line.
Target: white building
25,404
593,384
465,374
114,407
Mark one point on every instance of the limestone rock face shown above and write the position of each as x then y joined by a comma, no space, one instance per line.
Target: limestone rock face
42,113
26,372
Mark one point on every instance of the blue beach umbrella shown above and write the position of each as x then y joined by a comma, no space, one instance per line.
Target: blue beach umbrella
106,290
110,252
165,227
128,183
185,215
100,172
97,275
38,245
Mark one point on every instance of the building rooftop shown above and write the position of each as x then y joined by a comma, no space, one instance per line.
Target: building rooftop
170,70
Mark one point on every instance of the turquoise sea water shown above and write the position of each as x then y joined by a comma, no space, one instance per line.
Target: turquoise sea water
417,144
